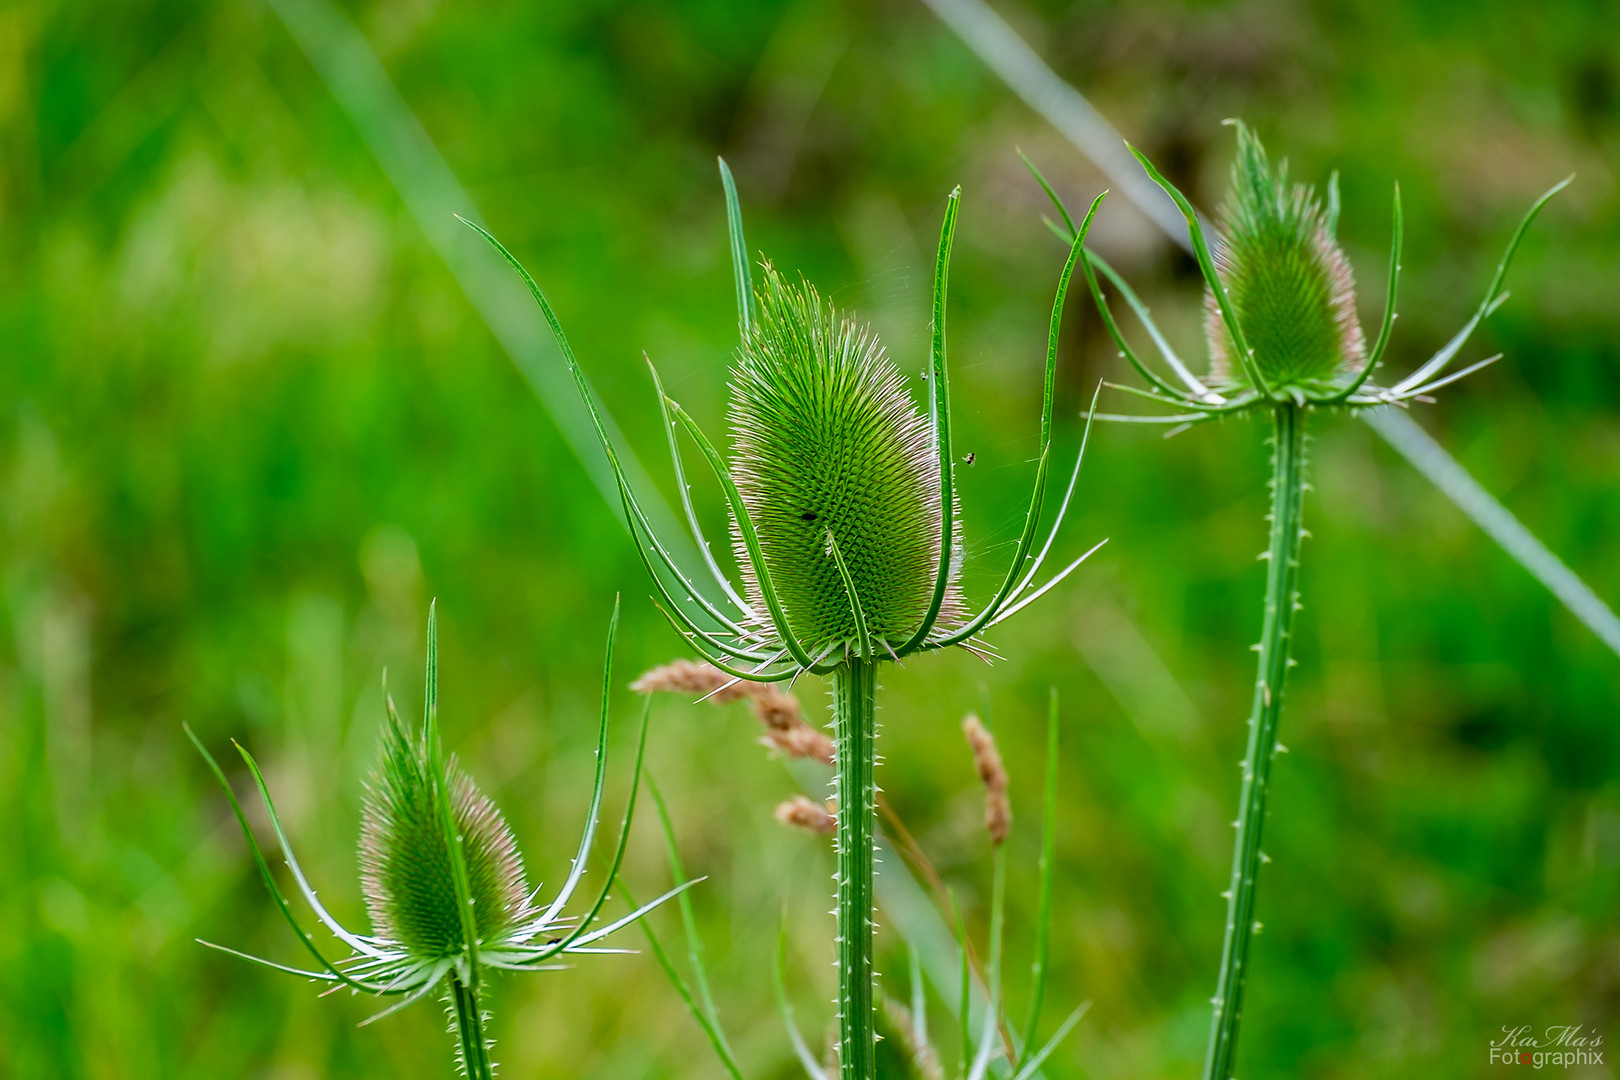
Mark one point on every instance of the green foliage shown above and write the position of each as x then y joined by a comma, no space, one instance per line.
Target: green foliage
1289,283
828,444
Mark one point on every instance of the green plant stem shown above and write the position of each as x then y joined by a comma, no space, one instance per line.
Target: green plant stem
855,725
470,1031
1287,494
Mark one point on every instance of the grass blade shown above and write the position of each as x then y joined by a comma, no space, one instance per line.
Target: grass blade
741,271
694,944
685,992
1043,919
801,1049
1037,1059
430,190
1481,507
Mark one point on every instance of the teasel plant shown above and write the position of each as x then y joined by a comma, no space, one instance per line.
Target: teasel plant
443,880
1284,343
846,532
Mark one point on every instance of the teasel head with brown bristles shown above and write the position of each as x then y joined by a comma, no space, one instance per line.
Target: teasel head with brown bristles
1286,279
1280,302
407,877
841,490
442,877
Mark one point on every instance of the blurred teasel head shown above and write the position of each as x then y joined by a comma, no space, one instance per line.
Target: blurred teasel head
1280,302
841,490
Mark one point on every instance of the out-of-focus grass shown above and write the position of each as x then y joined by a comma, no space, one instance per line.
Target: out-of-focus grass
248,425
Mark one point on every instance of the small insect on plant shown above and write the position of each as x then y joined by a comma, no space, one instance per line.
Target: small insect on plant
846,533
1280,320
443,879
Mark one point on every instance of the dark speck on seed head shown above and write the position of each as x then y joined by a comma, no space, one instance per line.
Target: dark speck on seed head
807,516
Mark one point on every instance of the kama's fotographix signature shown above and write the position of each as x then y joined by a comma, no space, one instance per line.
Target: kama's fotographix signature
1562,1045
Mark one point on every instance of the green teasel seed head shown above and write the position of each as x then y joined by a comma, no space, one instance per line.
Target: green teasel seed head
1288,281
406,874
828,447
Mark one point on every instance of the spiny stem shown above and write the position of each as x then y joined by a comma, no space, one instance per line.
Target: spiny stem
1287,494
469,1022
855,723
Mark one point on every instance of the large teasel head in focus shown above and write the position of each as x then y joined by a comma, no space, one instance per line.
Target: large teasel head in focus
1280,301
841,490
440,871
828,451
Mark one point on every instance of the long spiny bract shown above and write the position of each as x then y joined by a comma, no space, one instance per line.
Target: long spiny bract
1289,283
826,439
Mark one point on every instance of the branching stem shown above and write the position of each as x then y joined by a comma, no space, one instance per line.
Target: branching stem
1287,494
469,1021
855,724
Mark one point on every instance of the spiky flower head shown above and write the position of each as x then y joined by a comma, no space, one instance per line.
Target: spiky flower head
442,878
1280,305
405,861
829,449
842,493
1288,281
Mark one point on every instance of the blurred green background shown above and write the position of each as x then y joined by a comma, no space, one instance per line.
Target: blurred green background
250,423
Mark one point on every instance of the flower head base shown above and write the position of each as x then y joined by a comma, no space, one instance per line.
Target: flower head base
829,450
1288,282
842,493
1281,303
